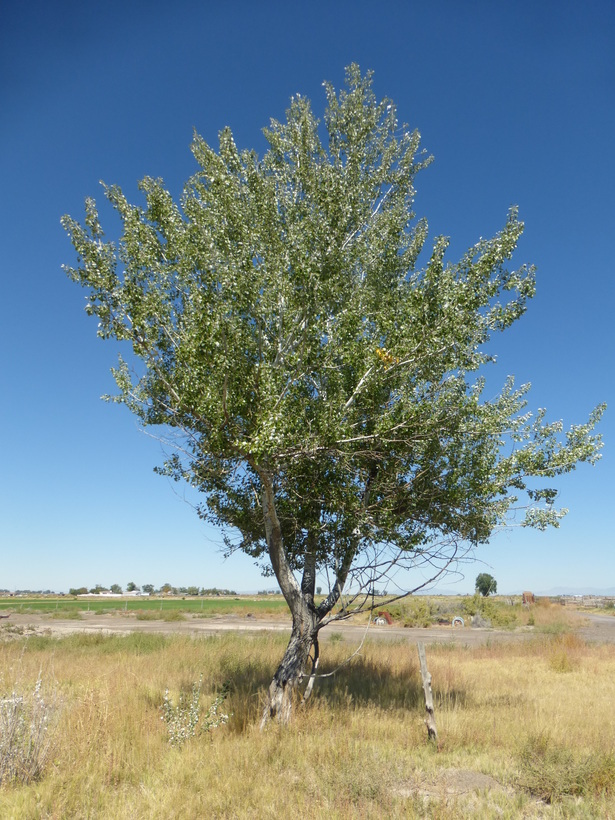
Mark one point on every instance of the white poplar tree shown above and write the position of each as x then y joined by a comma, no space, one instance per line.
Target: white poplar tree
321,384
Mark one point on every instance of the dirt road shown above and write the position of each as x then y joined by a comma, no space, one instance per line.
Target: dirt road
598,628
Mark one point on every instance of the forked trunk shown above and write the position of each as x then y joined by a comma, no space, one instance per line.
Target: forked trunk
300,600
291,670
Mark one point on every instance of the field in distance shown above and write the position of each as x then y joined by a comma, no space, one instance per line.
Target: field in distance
216,605
497,612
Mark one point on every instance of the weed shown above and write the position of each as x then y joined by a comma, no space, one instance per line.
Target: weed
183,718
24,734
12,629
561,661
554,628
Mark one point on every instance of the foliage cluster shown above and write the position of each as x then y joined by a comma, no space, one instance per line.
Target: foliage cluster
486,584
424,611
414,612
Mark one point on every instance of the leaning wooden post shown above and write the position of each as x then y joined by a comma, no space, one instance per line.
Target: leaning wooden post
430,720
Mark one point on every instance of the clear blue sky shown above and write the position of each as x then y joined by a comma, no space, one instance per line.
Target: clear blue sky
515,101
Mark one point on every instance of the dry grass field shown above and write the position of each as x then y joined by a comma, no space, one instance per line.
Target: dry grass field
526,729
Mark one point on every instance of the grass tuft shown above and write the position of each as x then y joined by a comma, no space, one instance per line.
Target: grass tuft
550,771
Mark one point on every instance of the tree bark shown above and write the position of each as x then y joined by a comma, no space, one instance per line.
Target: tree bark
292,667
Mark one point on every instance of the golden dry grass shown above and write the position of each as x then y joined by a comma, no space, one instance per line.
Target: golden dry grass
358,750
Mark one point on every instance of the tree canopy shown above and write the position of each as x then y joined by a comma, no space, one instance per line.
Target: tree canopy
486,584
314,361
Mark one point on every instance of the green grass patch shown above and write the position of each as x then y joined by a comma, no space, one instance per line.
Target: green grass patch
274,605
95,643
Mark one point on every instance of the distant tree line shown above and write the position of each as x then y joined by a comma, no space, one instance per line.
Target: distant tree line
150,589
27,592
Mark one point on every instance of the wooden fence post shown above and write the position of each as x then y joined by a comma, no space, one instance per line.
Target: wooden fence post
430,720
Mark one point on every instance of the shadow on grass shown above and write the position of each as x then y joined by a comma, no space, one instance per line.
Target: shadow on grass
247,664
361,682
365,682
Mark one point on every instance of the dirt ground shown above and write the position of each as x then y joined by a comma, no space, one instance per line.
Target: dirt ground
598,628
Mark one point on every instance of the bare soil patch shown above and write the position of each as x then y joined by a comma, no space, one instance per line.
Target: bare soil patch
449,782
598,628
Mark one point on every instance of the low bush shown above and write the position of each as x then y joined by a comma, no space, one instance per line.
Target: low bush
414,612
148,615
173,615
66,615
498,613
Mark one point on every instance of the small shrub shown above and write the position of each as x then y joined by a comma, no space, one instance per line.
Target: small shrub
66,615
472,605
183,718
148,615
25,721
414,612
173,615
500,614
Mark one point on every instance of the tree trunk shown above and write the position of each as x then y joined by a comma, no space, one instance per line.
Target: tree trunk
292,667
300,599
